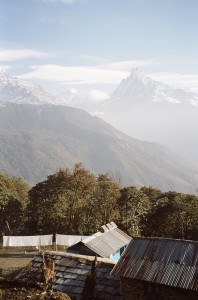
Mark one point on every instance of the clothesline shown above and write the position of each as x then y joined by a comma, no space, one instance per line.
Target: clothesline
41,240
21,241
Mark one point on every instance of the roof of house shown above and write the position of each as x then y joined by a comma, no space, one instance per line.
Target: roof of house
71,272
164,261
107,242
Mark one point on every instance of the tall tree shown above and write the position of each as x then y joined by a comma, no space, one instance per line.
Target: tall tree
57,203
183,219
133,206
175,215
13,198
82,185
152,193
46,210
107,193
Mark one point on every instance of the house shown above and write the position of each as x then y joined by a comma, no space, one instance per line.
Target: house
72,273
108,244
158,269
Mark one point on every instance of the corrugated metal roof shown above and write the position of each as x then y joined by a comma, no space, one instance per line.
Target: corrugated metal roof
108,242
164,261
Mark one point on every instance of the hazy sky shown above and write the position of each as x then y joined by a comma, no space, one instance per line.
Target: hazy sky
95,43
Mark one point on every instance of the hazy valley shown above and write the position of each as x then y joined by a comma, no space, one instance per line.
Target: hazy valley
39,136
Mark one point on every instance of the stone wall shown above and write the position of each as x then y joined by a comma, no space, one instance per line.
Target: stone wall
140,290
133,290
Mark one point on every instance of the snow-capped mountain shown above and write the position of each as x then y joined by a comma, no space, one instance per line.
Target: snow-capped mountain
133,91
73,98
18,91
139,88
153,111
15,90
93,101
140,106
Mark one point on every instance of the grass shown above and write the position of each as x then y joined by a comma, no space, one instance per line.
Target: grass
11,260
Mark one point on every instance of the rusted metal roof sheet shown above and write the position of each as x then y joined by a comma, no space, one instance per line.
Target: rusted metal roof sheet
108,242
163,261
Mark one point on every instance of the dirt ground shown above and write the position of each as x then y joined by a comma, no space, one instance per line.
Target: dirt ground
11,262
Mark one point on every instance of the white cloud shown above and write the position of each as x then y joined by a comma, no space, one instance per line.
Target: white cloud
177,80
98,96
75,74
16,54
111,73
101,73
129,64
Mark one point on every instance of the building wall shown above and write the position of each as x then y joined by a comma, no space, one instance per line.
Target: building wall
139,290
80,248
131,290
115,256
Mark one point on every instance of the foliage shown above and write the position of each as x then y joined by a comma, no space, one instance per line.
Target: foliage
107,194
60,199
49,205
13,202
133,205
78,202
174,215
72,202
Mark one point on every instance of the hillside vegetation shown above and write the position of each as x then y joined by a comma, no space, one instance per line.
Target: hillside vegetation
78,202
37,140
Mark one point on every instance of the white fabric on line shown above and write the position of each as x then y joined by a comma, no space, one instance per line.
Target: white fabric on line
68,240
22,241
45,240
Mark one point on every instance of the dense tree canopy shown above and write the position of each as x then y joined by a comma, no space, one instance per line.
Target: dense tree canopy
13,202
133,206
173,215
73,202
78,202
58,201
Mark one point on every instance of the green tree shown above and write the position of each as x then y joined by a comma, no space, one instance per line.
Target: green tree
134,206
152,193
184,217
57,203
82,186
175,215
107,194
46,210
13,198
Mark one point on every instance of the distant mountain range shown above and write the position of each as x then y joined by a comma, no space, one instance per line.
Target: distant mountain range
37,140
18,91
139,88
153,111
148,110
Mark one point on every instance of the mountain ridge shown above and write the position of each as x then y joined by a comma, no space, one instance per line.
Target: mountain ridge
14,127
37,140
136,80
15,90
156,90
152,111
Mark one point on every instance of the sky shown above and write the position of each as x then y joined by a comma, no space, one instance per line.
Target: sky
94,44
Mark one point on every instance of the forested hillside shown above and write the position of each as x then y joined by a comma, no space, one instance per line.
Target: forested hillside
37,140
78,202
